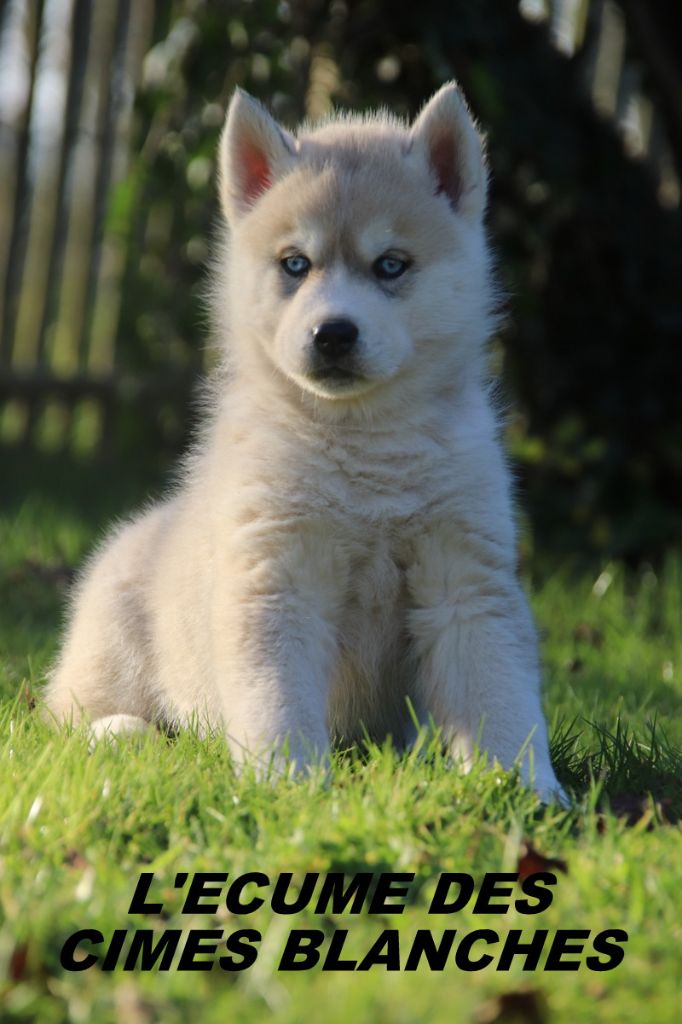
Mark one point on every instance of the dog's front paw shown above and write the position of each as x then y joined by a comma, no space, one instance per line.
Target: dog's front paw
278,759
550,791
110,726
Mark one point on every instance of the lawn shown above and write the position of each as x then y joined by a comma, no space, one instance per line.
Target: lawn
78,828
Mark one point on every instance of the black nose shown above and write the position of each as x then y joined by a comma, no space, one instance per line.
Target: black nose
334,339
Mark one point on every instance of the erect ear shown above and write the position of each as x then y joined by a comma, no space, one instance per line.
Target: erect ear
446,134
254,151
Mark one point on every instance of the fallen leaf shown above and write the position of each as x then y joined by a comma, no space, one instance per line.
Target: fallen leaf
16,969
74,859
526,1006
531,862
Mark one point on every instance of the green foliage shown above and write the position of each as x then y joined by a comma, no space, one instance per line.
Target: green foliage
77,827
587,257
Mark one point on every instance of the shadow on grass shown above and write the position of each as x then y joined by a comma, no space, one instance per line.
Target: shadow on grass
639,775
52,509
92,490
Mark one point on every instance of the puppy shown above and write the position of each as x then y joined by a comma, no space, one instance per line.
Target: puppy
343,536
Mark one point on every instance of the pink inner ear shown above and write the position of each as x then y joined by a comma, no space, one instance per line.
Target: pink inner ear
255,172
444,162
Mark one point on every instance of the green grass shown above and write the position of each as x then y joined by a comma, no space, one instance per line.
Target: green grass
77,828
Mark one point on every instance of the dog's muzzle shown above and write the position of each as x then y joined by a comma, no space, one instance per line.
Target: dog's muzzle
334,344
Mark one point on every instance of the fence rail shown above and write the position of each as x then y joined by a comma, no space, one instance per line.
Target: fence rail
68,75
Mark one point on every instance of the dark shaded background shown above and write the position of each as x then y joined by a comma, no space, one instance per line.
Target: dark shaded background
589,247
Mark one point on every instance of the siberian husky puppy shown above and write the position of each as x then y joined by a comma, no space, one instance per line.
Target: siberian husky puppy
342,543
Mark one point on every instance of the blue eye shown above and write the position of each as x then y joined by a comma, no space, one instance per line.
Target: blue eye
295,265
387,268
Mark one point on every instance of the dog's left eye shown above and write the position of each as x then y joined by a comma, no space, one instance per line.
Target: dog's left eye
386,268
295,265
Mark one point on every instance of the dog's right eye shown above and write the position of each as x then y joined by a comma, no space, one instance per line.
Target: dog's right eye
295,265
388,267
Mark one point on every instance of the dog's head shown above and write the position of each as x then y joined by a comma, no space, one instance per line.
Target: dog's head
357,251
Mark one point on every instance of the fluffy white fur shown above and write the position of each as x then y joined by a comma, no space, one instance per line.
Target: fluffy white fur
336,546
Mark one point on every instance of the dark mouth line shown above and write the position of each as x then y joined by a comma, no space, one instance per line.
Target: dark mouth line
336,373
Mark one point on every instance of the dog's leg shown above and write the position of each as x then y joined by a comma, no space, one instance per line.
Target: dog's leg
117,725
477,654
104,668
275,641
